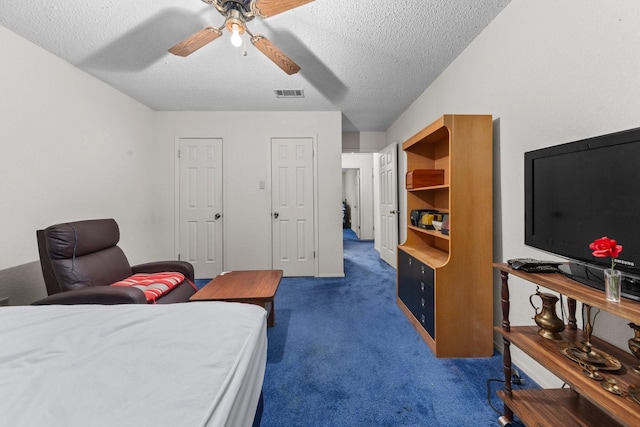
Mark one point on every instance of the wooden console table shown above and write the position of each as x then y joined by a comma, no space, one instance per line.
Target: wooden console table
254,287
585,402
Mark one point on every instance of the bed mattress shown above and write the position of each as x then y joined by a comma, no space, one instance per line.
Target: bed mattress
191,364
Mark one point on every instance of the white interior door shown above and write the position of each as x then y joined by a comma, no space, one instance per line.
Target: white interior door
389,204
292,206
200,205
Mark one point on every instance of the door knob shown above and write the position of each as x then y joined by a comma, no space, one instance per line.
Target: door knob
392,212
276,215
217,216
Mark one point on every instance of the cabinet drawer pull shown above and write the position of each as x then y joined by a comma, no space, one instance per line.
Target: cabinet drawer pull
422,269
422,302
422,286
423,319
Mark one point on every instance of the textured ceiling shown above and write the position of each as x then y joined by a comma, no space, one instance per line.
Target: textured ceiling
369,59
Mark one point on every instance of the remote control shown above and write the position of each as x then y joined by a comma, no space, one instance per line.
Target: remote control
528,264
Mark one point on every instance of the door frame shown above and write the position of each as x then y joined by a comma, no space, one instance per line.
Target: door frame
394,146
316,228
176,194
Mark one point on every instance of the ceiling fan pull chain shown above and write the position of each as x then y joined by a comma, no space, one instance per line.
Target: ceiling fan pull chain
244,44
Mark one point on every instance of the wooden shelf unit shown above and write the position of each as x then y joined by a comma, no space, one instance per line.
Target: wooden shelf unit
585,402
445,281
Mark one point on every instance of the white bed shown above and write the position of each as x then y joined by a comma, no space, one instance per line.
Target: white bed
190,364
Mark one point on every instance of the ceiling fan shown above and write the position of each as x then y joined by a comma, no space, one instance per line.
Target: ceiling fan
237,13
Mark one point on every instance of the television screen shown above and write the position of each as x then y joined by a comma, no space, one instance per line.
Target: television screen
583,190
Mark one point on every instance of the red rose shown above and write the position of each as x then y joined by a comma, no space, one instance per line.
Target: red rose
604,247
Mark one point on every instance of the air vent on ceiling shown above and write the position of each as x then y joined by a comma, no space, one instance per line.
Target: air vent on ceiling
289,93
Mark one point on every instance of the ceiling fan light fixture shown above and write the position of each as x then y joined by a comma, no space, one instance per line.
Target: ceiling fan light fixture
236,39
235,25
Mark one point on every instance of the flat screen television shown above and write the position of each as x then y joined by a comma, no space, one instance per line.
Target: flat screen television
583,190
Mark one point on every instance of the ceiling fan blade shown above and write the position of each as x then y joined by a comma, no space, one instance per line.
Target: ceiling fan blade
267,8
195,41
275,54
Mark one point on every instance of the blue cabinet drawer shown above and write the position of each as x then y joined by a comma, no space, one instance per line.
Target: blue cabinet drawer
416,290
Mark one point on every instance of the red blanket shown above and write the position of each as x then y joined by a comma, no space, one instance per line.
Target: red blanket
153,285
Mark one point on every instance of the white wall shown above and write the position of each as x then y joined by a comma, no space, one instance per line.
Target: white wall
72,148
372,142
549,72
364,163
247,161
363,142
350,142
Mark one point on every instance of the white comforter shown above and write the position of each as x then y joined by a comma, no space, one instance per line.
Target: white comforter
191,364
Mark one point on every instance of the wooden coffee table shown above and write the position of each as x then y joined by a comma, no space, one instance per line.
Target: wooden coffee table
254,287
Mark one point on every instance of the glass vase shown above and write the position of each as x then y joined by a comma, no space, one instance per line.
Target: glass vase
612,284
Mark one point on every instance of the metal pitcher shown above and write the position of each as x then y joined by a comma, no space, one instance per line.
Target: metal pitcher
547,319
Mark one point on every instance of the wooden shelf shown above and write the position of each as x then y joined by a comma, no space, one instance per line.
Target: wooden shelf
435,132
431,256
548,353
432,188
434,233
587,403
556,404
626,309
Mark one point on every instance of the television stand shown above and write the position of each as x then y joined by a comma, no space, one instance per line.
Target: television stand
594,278
584,402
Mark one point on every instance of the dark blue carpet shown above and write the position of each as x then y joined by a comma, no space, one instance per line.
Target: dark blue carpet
343,354
201,282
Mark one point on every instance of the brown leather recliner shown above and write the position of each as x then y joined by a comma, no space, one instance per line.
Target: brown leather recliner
81,259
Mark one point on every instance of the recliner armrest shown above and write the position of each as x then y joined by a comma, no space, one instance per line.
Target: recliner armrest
106,295
164,266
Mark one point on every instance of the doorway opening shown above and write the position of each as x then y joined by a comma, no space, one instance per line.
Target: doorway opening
369,182
358,194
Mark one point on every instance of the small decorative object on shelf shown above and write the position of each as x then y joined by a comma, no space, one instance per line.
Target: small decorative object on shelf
547,319
634,393
445,224
420,178
589,370
612,284
590,358
588,328
605,247
634,345
611,385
